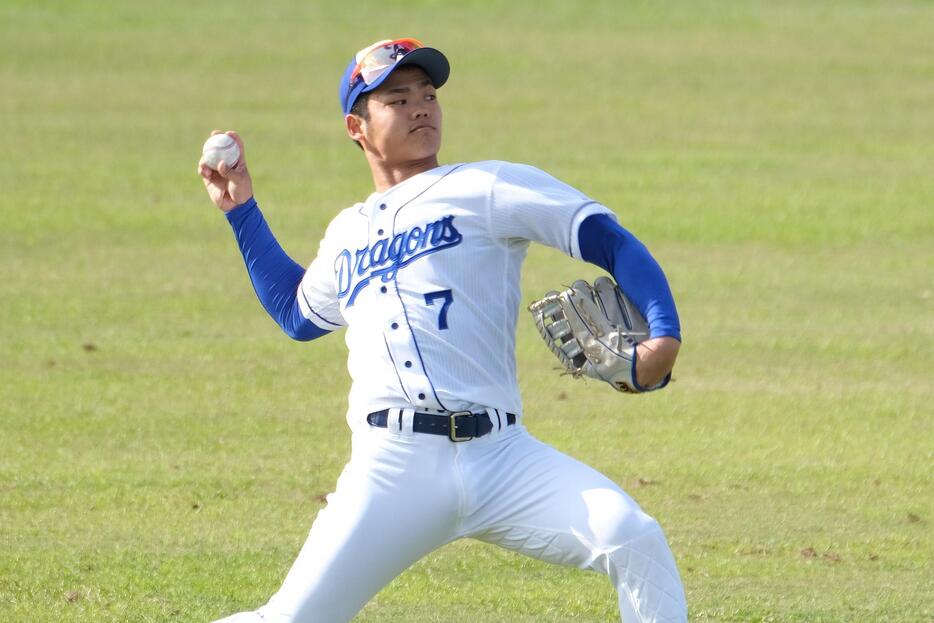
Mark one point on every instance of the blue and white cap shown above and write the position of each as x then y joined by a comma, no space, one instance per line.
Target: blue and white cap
373,64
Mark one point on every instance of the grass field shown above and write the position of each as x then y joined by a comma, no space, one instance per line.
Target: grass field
164,448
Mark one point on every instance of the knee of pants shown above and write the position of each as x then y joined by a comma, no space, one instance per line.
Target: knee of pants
614,519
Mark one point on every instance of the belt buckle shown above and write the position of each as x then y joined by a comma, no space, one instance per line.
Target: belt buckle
452,432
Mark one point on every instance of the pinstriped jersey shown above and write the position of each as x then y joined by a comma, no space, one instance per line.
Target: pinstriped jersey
425,277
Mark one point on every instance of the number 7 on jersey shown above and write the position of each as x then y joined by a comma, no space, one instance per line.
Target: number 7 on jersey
448,298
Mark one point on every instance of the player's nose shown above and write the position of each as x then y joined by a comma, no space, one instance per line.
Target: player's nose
420,112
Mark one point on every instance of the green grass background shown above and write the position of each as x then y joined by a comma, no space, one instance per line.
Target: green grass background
164,448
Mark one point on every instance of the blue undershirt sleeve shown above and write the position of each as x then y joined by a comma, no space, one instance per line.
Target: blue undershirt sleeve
275,276
604,243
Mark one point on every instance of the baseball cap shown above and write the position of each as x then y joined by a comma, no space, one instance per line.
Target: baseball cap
374,63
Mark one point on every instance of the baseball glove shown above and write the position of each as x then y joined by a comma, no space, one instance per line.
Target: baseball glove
593,331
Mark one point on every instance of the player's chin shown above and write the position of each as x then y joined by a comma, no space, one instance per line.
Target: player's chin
425,143
428,138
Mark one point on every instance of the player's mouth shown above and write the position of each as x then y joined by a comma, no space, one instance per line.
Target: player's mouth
424,126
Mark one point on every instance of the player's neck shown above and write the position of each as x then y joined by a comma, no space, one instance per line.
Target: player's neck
386,175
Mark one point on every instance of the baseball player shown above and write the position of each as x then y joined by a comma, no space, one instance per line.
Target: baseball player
424,277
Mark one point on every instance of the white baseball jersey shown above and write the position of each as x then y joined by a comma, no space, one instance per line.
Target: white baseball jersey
425,276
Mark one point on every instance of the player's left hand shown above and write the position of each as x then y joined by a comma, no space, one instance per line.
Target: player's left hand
228,187
596,331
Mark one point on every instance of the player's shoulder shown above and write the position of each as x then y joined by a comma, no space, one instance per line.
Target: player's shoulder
486,173
512,175
500,167
346,218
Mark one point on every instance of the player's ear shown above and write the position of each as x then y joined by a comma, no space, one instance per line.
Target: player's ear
355,126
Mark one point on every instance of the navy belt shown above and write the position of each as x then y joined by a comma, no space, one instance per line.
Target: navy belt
459,426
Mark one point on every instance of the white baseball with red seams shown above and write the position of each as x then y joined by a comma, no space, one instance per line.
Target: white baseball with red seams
220,148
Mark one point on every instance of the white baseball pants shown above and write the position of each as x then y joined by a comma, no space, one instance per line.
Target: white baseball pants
404,494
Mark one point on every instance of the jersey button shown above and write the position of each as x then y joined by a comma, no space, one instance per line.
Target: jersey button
408,364
394,325
382,206
379,232
421,396
382,289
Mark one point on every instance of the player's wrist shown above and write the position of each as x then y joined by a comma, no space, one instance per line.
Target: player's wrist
241,191
239,210
655,359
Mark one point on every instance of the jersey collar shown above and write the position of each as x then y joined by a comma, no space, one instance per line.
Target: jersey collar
404,192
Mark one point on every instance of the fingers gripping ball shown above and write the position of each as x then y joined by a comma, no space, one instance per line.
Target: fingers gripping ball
220,148
593,331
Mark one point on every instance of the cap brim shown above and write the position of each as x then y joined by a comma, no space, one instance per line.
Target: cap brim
432,61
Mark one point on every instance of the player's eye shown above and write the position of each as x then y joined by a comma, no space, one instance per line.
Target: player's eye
432,97
398,102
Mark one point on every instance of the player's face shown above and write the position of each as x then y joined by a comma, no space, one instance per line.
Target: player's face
404,123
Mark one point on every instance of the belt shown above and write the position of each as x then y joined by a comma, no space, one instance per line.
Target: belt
458,426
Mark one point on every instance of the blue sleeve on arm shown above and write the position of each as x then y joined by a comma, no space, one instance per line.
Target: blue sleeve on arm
607,245
275,276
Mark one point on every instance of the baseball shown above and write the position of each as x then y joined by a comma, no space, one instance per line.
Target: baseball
220,147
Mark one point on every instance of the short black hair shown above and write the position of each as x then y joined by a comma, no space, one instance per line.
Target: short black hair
359,108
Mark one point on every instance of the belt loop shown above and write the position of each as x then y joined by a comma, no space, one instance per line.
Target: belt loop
406,419
493,414
393,421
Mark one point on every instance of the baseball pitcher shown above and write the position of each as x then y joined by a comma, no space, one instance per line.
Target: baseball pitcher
423,276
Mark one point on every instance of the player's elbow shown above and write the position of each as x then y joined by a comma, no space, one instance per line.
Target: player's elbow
299,337
305,332
296,326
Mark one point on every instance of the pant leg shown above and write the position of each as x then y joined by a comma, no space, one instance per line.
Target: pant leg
390,508
530,498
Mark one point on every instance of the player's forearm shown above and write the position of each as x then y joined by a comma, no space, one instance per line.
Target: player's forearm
605,243
275,276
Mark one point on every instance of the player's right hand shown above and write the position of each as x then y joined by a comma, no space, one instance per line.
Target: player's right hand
228,187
